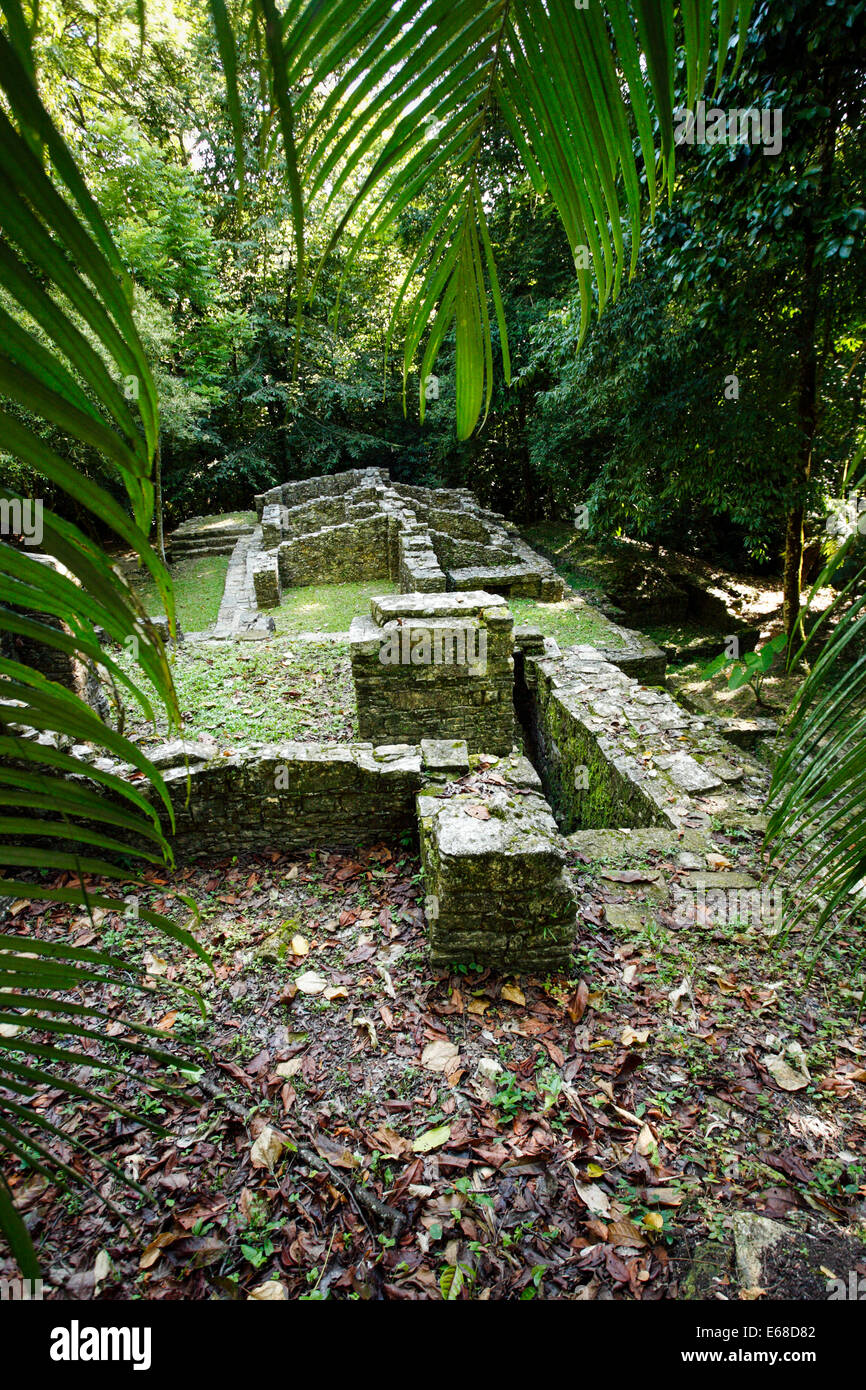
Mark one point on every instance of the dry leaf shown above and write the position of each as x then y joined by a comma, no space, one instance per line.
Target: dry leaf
152,1252
267,1149
290,1068
593,1197
646,1142
785,1077
576,1006
630,1036
440,1055
311,982
272,1291
513,994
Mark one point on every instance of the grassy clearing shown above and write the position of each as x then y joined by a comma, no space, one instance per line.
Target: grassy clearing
216,520
562,544
198,589
569,622
238,692
327,607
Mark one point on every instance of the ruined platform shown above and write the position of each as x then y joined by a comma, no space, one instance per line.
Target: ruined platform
497,893
359,525
615,753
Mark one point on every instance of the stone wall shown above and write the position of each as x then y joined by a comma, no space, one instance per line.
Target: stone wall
357,525
435,666
287,796
323,485
614,753
348,552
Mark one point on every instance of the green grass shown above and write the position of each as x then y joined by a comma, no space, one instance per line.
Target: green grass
570,623
265,691
198,589
218,519
327,607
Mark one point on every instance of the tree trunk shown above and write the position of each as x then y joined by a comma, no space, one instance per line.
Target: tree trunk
157,485
807,391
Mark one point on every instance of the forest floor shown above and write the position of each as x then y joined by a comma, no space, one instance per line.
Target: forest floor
362,1126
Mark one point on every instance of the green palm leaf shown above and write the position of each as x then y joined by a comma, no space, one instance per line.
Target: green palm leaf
817,795
578,88
58,265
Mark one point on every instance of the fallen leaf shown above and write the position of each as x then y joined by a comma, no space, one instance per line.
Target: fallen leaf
513,994
272,1291
152,1252
593,1197
785,1077
431,1139
630,1036
388,1141
101,1269
311,982
439,1055
290,1068
576,1006
267,1149
646,1142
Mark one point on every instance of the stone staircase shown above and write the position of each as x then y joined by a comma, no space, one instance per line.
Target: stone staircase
206,536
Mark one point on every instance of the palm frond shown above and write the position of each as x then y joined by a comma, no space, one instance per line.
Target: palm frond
60,815
388,98
817,792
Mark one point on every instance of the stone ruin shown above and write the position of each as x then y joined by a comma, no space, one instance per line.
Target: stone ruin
448,691
360,525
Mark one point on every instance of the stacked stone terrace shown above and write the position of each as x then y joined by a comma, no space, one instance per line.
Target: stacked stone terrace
359,525
615,753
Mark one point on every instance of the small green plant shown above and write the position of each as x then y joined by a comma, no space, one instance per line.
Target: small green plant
510,1098
750,668
454,1279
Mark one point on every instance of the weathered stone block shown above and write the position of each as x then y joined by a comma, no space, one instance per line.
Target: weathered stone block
494,870
435,666
266,579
